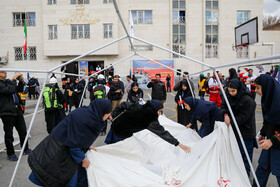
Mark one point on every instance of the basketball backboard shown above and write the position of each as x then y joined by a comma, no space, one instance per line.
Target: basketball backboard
247,33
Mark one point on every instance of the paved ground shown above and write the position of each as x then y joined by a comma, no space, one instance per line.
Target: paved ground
38,132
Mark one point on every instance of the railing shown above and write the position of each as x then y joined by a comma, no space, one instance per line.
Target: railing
20,22
211,51
179,19
242,52
80,34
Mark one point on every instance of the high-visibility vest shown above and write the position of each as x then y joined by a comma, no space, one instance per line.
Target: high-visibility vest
50,98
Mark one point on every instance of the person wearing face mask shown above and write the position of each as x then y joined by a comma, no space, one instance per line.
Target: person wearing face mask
243,107
132,119
135,94
205,111
56,159
269,140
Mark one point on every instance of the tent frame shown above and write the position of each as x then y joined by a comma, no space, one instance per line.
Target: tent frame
210,68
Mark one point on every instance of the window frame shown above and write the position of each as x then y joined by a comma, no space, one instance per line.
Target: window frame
109,27
53,32
80,34
243,18
29,22
76,2
52,2
28,54
145,21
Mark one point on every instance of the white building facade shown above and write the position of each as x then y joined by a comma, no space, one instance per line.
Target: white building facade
59,30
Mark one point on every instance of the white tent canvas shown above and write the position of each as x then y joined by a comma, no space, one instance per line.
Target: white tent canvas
147,160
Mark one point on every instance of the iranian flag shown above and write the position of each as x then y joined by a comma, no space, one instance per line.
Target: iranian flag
25,38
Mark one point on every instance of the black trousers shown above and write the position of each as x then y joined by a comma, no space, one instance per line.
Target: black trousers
53,118
9,122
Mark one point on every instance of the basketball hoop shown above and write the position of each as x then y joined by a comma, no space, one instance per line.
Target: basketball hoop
240,46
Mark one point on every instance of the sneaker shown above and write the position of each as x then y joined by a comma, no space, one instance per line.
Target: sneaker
13,158
27,152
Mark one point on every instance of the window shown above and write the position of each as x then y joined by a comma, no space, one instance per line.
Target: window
178,13
52,32
142,47
179,49
142,16
211,34
30,54
179,34
242,17
20,17
108,31
179,4
211,29
80,31
107,1
74,2
51,2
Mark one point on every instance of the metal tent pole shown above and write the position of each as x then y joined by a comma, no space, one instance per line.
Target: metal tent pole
83,94
237,128
28,132
165,49
87,53
120,17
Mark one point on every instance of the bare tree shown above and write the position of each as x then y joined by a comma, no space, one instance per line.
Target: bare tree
270,20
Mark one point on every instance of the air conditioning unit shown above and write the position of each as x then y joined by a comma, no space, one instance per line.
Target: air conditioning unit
4,59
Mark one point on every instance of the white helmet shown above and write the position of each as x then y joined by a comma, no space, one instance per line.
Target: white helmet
100,77
53,80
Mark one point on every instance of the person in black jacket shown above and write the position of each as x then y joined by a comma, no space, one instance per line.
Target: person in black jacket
116,92
158,89
168,82
91,84
78,89
135,94
68,94
269,162
183,115
56,159
140,117
243,107
83,82
11,114
205,111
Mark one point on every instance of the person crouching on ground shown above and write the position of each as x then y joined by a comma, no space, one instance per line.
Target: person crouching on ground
243,107
56,160
269,162
205,111
143,117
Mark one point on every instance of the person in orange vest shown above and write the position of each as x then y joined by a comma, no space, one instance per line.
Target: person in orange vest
214,90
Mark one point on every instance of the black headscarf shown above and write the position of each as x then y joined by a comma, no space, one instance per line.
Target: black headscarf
241,89
134,84
270,99
82,126
199,107
232,74
136,120
187,92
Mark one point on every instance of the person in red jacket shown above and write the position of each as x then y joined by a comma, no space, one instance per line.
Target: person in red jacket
214,89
